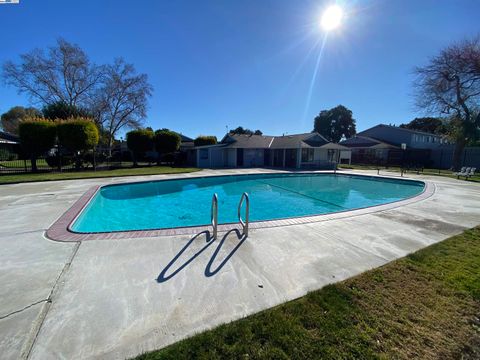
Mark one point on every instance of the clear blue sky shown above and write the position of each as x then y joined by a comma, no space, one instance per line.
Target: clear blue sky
217,63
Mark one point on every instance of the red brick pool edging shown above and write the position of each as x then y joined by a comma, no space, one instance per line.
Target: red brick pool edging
59,230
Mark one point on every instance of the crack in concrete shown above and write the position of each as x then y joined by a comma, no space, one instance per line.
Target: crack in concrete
22,309
32,337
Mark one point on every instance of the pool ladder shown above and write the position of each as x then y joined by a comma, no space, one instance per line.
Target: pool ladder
244,224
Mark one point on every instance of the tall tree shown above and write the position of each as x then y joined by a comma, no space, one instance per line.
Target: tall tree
63,74
335,123
13,117
450,84
122,100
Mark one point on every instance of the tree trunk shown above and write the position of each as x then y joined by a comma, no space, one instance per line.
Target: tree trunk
134,156
457,154
109,146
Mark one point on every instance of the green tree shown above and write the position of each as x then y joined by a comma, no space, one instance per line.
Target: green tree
335,123
244,131
427,124
139,142
450,84
37,136
166,142
78,135
13,117
205,140
63,110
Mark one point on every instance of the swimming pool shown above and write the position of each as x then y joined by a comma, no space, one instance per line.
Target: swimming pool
186,202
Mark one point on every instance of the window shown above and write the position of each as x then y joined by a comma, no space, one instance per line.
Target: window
204,154
307,155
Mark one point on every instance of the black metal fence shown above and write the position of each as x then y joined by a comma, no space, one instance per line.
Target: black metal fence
441,158
13,160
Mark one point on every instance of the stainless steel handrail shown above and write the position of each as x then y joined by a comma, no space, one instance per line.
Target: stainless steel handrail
214,215
247,213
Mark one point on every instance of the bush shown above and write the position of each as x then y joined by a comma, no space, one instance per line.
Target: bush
53,161
205,140
166,142
78,136
99,158
139,142
37,136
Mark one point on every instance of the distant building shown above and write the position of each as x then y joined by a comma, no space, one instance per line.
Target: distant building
6,138
310,150
382,145
412,138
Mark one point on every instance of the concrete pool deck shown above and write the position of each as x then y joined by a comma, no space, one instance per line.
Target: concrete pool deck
117,299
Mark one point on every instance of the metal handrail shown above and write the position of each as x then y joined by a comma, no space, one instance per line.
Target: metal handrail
214,215
247,213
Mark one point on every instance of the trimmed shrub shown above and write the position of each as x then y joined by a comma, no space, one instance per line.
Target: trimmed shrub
77,135
139,142
166,142
37,136
205,140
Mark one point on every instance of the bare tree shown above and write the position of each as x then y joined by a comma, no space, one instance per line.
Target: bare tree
122,101
63,74
450,84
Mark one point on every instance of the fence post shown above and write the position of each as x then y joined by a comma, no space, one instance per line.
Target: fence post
94,160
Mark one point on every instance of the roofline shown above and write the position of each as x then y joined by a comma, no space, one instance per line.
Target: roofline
400,128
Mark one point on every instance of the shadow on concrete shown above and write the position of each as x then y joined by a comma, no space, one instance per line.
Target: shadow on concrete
163,275
167,273
210,270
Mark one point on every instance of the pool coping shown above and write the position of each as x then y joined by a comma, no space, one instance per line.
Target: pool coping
60,229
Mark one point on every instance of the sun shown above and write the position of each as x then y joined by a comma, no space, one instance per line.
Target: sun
331,18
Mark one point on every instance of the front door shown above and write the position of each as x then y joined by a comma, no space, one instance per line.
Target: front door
291,158
239,157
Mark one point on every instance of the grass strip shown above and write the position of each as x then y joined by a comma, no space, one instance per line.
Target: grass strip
33,177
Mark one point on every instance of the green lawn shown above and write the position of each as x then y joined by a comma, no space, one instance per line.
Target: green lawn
424,306
154,170
41,163
425,171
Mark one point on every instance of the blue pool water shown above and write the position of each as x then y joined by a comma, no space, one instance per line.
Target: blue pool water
187,202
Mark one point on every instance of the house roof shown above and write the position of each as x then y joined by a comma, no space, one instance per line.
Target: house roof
295,141
359,141
400,129
247,141
8,138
